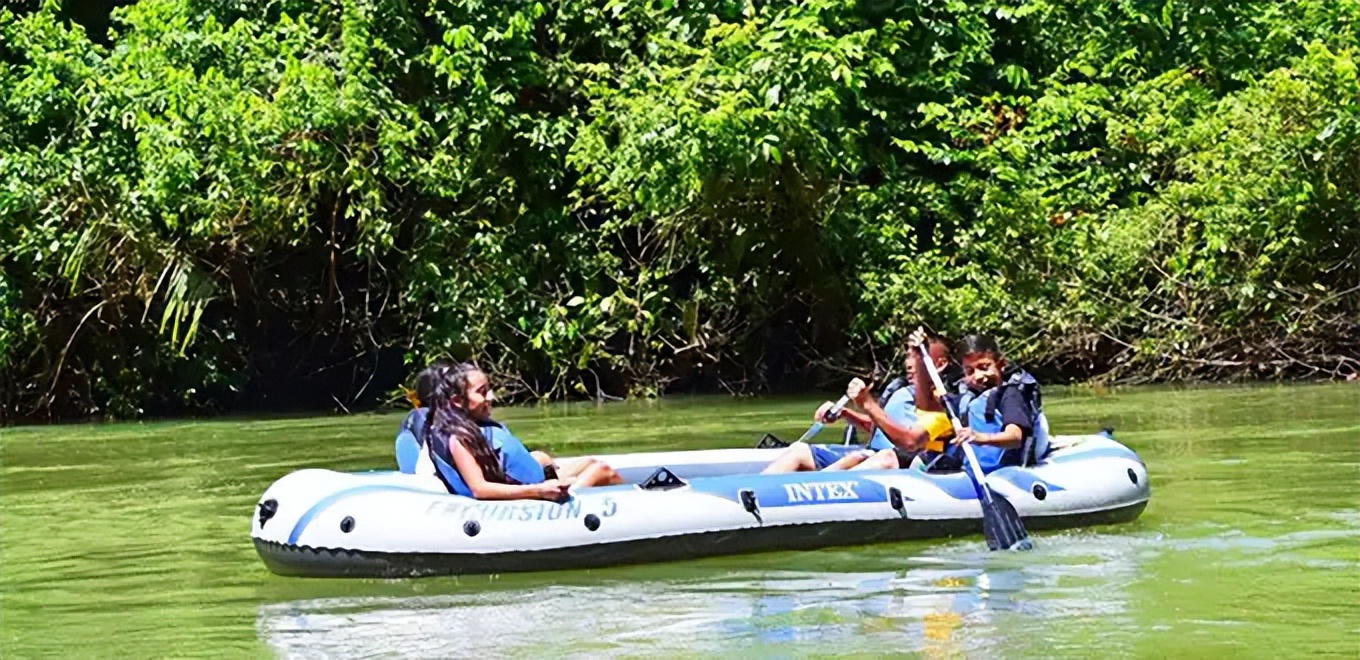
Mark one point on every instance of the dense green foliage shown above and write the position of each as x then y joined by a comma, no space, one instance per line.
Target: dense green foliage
221,205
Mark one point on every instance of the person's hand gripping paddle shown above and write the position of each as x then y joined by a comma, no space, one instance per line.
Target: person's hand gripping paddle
830,416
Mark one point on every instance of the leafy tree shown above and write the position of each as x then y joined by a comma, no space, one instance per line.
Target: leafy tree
235,205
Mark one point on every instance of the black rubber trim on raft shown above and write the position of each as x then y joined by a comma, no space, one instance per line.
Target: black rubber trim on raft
305,561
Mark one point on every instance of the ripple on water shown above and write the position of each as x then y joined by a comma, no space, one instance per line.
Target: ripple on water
952,598
956,595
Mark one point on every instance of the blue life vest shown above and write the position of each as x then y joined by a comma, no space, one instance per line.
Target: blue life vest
899,404
448,474
978,412
516,460
518,463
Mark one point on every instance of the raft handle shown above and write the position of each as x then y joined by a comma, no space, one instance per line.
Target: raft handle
267,510
895,499
662,479
748,500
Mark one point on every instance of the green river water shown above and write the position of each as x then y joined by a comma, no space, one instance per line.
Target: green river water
132,541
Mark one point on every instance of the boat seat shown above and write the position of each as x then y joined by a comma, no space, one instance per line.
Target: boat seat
407,451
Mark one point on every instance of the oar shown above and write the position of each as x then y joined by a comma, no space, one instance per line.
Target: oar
1000,523
830,415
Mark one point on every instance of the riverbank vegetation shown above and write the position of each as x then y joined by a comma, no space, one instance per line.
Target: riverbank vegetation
211,206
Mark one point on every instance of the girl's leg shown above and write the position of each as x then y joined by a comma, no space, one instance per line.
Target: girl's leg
574,467
590,472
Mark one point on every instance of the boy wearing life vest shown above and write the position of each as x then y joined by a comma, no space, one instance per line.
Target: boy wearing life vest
1001,409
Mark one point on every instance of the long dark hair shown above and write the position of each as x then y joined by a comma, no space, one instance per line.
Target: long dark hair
448,422
427,379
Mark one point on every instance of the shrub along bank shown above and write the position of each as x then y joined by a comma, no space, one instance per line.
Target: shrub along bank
284,204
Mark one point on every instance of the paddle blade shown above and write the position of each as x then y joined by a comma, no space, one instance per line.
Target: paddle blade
1002,525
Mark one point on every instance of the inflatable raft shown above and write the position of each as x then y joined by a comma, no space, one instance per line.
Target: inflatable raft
677,505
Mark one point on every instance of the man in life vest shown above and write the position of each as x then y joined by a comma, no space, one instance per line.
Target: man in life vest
898,434
924,441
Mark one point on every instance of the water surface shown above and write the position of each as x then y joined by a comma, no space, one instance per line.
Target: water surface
133,541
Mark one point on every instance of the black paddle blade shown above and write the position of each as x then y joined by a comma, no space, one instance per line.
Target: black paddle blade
1002,525
771,441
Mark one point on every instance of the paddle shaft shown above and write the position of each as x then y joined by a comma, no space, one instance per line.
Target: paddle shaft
953,419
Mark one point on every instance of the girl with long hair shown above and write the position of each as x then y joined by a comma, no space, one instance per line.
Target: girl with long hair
478,457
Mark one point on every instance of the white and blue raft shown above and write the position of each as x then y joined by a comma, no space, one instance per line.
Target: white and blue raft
674,506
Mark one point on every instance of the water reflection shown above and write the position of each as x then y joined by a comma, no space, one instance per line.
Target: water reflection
954,600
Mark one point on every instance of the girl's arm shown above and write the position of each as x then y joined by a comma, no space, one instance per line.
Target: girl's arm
467,467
